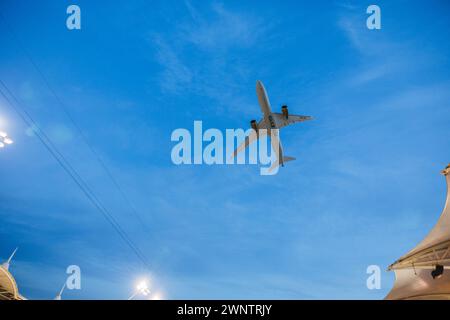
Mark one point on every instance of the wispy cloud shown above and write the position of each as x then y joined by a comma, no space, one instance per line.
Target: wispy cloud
380,56
176,75
227,29
210,43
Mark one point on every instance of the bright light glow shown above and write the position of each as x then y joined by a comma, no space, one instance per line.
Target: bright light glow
142,287
4,139
157,296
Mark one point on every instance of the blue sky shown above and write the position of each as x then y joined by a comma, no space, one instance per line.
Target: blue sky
365,187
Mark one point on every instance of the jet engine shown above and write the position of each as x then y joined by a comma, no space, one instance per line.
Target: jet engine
254,125
284,110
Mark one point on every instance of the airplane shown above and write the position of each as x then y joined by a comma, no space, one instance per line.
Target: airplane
271,120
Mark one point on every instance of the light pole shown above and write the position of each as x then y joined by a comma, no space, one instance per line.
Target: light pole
141,288
6,264
4,139
59,296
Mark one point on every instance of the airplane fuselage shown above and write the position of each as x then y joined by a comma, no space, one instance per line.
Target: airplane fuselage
263,99
270,125
264,104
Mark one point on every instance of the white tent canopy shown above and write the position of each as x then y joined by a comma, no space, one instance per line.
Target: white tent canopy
8,286
419,285
412,271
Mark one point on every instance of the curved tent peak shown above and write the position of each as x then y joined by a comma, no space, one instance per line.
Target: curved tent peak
8,262
411,284
424,272
435,247
8,286
446,171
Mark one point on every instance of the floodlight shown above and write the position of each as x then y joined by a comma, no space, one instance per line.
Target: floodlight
142,287
438,271
4,139
157,296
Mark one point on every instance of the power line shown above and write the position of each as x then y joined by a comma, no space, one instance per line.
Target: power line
68,168
72,120
62,161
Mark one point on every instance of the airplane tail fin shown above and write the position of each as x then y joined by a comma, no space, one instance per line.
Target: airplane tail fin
277,163
287,159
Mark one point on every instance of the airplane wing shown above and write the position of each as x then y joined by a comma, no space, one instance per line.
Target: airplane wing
262,124
282,121
252,137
